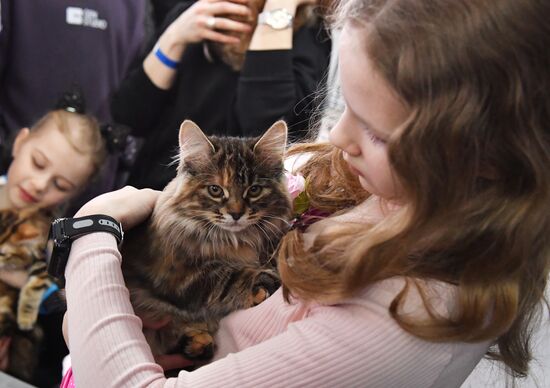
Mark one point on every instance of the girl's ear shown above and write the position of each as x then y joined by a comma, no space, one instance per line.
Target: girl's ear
19,140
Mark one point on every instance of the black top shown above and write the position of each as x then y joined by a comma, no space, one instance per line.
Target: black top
271,85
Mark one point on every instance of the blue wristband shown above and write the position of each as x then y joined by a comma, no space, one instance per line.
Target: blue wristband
53,288
164,59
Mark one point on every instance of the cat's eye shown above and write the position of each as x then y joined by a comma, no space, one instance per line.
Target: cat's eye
215,191
254,191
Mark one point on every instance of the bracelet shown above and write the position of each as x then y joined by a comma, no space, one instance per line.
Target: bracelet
53,288
164,59
45,296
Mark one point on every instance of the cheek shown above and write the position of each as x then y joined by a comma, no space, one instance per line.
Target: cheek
54,198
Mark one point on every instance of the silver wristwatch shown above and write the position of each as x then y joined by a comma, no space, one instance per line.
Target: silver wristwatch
278,19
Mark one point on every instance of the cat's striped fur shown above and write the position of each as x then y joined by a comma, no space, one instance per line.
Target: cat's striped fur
23,236
206,250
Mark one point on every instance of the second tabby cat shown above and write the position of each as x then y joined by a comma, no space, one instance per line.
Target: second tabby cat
206,250
22,243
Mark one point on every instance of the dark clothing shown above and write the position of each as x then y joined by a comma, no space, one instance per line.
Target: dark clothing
161,8
271,85
46,46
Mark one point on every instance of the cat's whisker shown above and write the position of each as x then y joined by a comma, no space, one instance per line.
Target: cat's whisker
279,231
270,233
288,223
263,231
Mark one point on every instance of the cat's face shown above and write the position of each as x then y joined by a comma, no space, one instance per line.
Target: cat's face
231,184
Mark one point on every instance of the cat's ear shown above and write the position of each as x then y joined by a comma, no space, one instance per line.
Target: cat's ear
273,142
193,141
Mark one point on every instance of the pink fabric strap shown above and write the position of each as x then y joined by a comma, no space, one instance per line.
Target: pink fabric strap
68,381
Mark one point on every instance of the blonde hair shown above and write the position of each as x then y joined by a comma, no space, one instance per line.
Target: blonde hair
81,131
473,159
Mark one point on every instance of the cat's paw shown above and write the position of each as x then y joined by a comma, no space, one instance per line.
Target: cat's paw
265,285
26,322
197,345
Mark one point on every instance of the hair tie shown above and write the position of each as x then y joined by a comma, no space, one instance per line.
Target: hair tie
72,100
119,141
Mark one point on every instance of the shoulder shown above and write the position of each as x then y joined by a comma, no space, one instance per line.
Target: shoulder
439,295
371,306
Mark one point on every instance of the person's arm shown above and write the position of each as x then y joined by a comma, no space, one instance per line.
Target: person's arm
281,72
145,91
355,343
330,346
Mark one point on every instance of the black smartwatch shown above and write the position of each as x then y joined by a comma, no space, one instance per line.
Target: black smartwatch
65,230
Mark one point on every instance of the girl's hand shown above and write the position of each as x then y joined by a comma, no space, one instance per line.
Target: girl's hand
128,205
202,21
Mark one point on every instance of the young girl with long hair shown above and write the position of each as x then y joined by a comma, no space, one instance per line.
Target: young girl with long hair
437,249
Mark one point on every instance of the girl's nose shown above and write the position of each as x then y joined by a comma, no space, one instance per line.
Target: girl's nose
342,137
40,183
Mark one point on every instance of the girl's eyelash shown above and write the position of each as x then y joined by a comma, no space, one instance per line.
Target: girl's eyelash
37,164
60,187
375,139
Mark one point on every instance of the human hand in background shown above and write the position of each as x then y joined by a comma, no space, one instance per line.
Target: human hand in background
128,205
206,20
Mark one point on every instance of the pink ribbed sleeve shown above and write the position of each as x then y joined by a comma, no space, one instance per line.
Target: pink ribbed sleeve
353,344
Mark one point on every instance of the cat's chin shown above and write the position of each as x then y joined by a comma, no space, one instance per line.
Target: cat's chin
232,227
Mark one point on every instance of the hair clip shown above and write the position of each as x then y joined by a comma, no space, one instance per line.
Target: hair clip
119,141
72,100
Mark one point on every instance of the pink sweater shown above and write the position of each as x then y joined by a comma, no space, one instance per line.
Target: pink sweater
351,344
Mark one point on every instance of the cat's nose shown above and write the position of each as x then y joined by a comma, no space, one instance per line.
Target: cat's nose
236,215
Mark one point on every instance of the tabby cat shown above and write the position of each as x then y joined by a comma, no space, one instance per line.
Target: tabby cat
23,237
206,249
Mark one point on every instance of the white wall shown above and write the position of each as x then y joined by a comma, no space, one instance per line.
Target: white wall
488,375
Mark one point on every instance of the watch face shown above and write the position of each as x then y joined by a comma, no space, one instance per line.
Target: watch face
279,19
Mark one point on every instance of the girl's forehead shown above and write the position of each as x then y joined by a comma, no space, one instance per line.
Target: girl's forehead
365,90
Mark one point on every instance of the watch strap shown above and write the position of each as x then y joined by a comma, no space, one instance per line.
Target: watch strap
73,228
64,231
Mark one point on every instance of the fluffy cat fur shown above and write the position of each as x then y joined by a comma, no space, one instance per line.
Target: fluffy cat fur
206,249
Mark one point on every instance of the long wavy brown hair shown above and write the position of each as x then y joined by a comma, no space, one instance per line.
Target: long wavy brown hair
474,162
